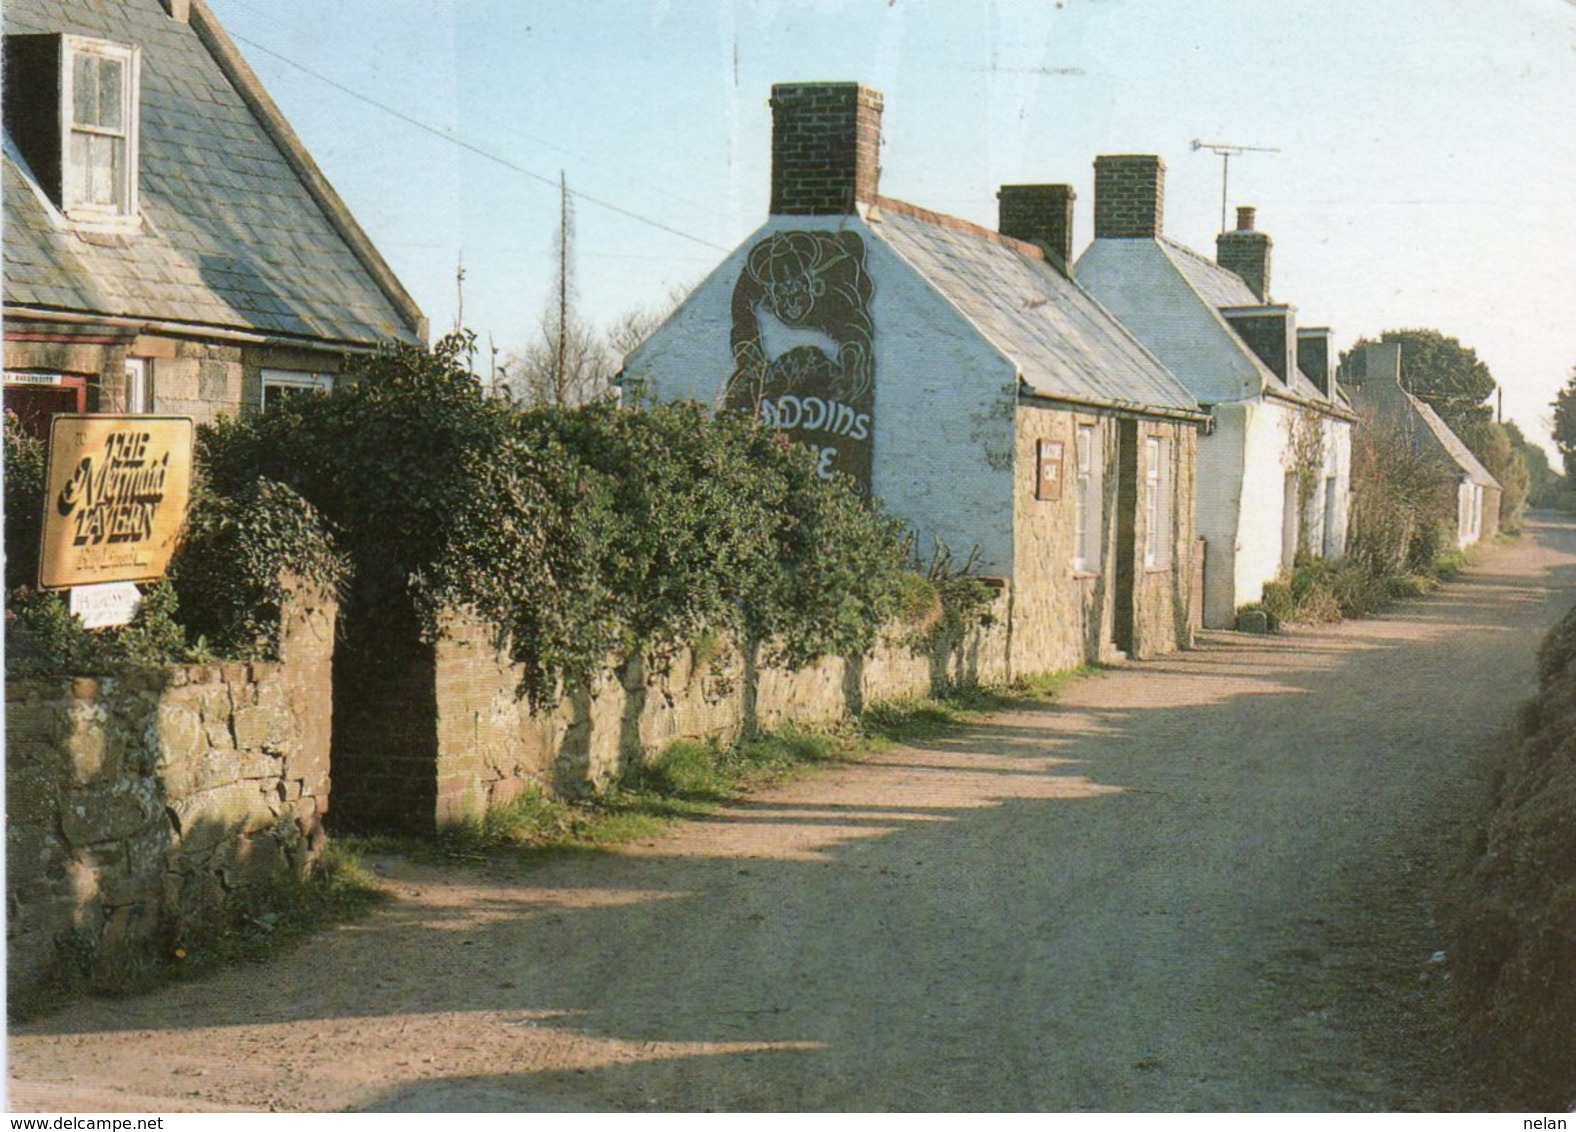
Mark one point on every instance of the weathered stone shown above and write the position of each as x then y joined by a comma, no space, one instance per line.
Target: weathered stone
216,704
211,816
36,717
181,738
1253,621
258,858
96,815
259,728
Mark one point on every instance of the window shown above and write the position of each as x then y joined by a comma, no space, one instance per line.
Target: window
1087,522
278,384
1157,502
139,386
99,119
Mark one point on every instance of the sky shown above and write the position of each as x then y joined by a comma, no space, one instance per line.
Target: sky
1424,173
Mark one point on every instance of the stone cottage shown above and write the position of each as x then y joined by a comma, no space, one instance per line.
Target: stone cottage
170,246
1274,470
960,375
1385,407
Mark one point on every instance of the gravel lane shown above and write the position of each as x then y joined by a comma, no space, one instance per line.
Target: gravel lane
1200,883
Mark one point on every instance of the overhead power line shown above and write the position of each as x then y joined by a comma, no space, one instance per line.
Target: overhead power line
471,148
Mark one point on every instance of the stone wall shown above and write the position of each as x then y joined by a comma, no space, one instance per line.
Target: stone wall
136,805
192,377
1063,617
479,745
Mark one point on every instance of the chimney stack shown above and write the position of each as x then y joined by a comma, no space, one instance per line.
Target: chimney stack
1129,197
1042,215
1246,252
826,148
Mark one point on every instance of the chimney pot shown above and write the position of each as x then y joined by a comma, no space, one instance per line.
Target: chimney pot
1246,252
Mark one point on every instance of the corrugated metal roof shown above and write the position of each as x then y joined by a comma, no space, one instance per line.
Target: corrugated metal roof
1064,343
231,237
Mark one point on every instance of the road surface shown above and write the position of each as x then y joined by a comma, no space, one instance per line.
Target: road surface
1200,883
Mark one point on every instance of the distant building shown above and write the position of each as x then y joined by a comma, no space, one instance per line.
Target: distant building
958,374
170,246
1385,406
1268,384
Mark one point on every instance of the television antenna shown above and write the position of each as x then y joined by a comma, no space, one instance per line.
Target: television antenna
1227,152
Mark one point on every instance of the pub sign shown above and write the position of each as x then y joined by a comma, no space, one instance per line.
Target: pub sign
115,498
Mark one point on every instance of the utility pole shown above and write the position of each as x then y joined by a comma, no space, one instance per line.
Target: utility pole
1227,151
459,292
560,379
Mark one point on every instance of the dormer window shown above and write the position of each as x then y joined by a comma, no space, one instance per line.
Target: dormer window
99,116
72,110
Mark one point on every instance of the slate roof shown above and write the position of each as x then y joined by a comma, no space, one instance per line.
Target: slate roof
1064,343
232,237
1171,296
1453,444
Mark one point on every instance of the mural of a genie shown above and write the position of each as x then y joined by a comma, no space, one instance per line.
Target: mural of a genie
802,346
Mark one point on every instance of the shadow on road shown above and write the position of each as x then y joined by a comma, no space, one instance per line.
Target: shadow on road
1193,883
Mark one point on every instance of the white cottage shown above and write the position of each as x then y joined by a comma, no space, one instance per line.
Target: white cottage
1385,406
960,375
1274,471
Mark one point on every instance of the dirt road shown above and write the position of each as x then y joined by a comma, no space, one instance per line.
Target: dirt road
1198,883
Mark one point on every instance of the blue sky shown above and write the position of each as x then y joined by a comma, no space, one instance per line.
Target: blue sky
1426,173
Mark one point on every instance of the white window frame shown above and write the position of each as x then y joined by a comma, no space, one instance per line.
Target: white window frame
139,385
1157,502
124,210
1088,518
290,379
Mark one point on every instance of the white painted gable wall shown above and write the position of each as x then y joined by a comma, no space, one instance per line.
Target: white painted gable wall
945,399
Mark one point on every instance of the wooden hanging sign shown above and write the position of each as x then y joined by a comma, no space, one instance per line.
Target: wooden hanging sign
115,498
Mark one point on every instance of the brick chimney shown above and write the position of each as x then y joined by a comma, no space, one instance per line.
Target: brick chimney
1246,252
826,148
1042,215
1129,197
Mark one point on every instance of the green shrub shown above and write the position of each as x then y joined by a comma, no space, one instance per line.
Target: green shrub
240,554
580,533
44,639
1278,603
24,504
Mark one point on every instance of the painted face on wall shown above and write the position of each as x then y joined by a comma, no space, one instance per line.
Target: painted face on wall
792,288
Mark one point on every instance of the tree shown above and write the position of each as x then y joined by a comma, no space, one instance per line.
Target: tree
566,364
1565,424
1493,444
1543,482
1441,371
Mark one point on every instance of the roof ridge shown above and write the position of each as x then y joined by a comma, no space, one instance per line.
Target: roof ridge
956,224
